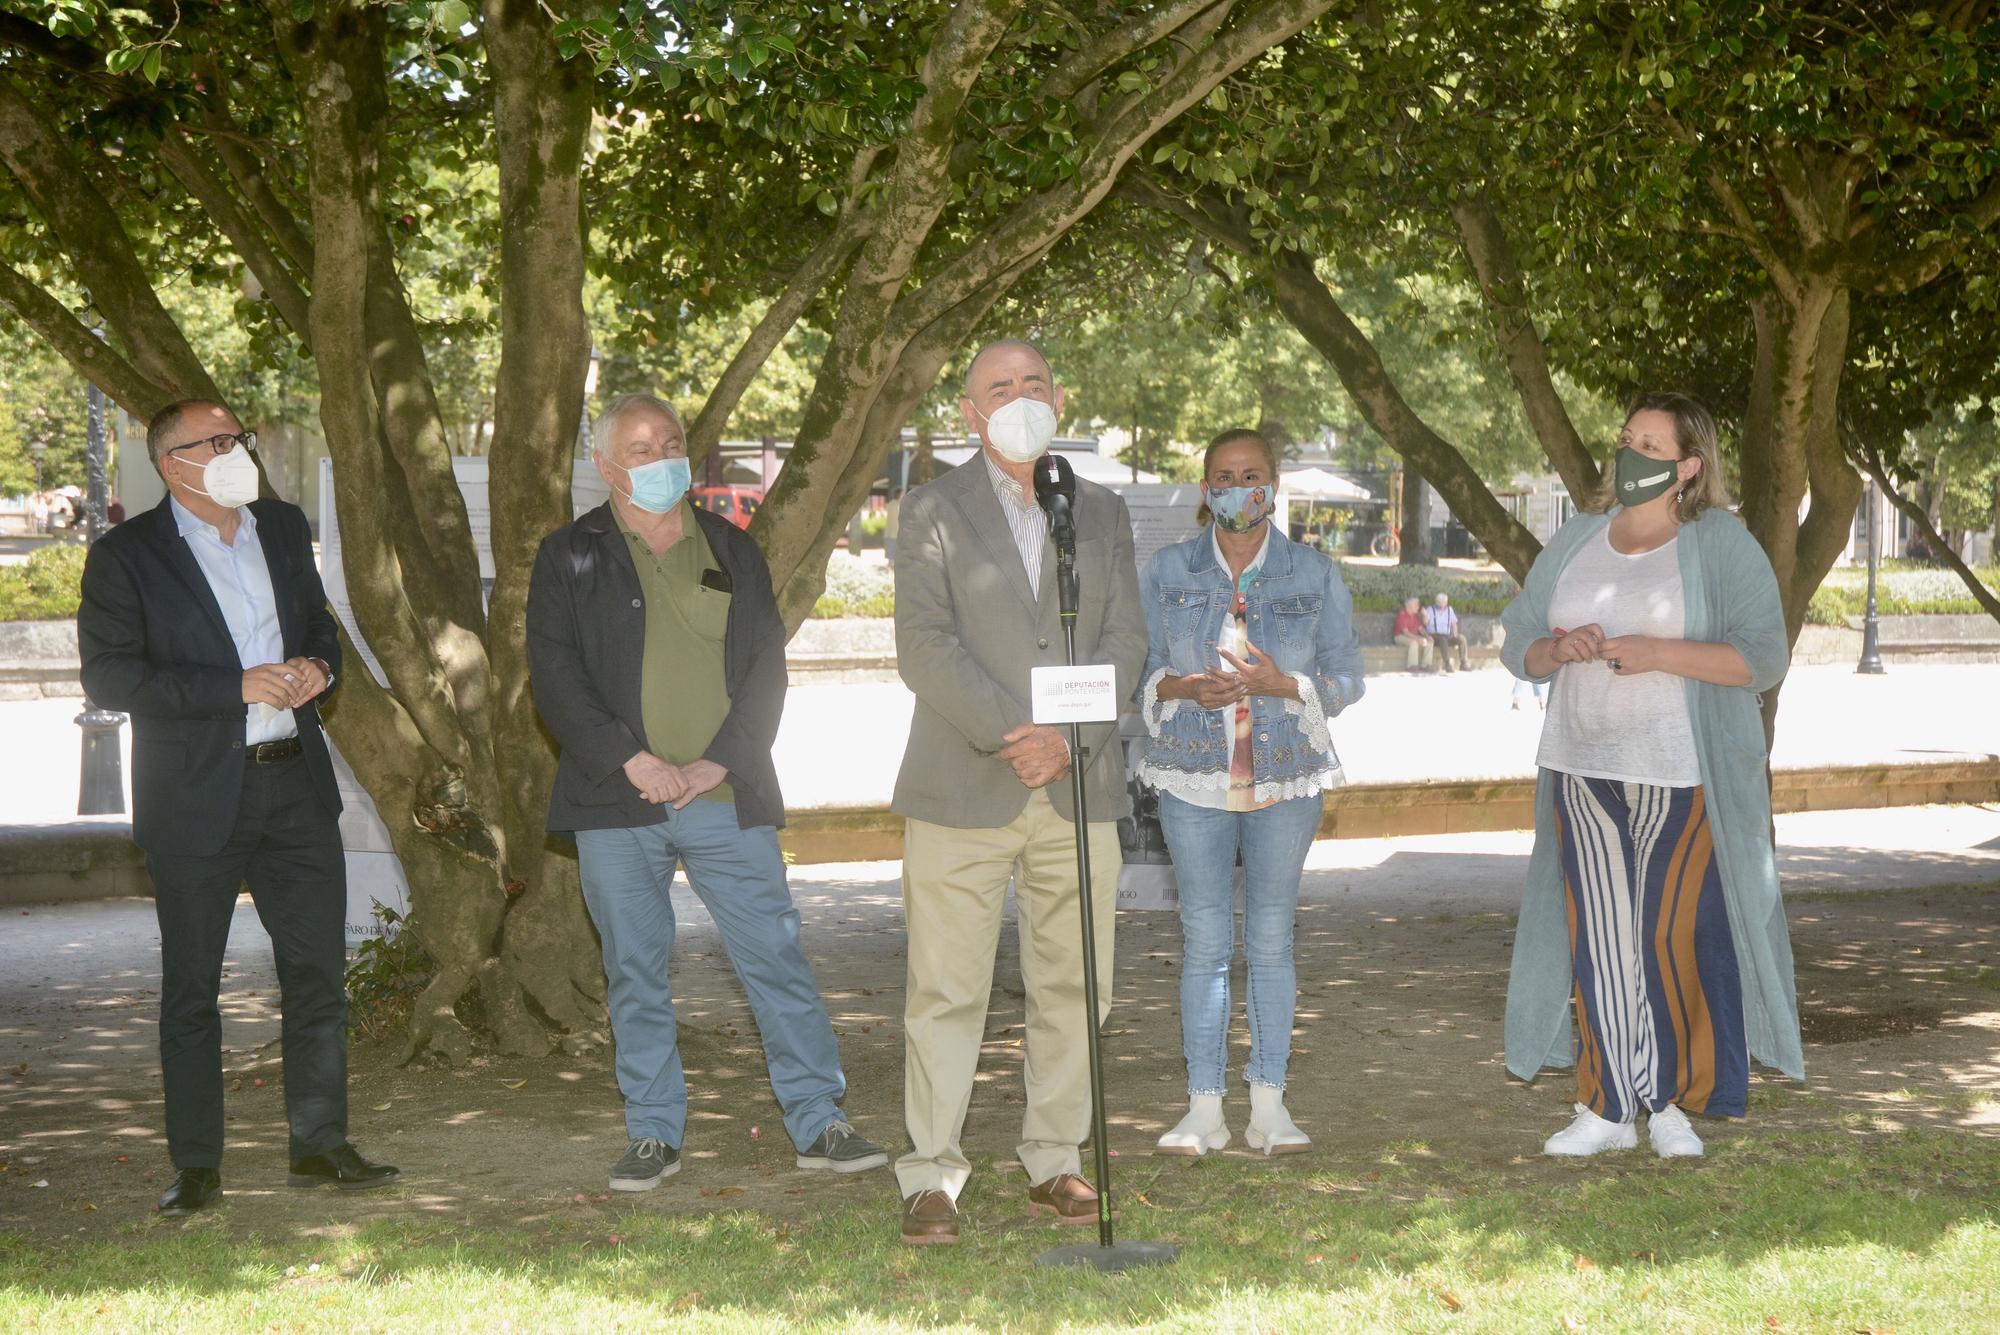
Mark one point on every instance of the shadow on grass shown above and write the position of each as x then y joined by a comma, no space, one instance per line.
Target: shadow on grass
1397,1237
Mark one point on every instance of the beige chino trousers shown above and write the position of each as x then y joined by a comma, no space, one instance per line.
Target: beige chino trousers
954,888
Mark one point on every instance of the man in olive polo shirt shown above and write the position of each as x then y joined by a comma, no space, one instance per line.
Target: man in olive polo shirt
658,663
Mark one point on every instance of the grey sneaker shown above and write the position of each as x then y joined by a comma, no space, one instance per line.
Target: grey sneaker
843,1149
646,1161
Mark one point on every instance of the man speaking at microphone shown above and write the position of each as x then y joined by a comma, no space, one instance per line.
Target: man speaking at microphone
982,792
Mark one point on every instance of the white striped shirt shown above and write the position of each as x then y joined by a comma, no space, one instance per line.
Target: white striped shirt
1024,518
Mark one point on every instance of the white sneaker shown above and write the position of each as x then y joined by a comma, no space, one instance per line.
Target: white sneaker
1671,1135
1271,1129
1199,1132
1591,1134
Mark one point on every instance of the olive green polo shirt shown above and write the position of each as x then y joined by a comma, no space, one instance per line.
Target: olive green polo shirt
683,695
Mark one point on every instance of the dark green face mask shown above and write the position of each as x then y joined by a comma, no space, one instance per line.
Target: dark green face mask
1641,477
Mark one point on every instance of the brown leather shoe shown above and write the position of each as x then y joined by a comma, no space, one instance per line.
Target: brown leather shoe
930,1219
1068,1197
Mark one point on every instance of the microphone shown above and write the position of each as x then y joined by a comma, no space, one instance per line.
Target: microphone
1055,492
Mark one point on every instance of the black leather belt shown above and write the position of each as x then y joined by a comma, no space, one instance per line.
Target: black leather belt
270,753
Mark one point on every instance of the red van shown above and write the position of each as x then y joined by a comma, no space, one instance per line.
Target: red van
736,504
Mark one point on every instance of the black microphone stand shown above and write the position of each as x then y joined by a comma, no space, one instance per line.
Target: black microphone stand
1106,1254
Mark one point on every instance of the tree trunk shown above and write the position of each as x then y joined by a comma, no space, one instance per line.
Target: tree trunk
1791,442
1415,521
542,109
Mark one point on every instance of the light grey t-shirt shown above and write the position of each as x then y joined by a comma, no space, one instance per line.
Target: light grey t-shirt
1604,726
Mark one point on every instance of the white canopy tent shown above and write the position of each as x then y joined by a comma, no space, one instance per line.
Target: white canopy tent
1317,484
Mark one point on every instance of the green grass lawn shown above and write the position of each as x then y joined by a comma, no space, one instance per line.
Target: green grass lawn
1844,1230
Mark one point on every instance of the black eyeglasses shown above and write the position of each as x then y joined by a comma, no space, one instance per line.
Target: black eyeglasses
221,444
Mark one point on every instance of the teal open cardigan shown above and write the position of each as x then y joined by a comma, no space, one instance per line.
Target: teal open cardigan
1732,598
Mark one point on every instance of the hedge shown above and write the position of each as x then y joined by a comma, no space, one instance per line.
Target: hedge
48,586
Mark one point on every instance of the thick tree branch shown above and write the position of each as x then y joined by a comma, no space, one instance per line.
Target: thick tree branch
1024,230
1101,52
95,359
805,284
1316,313
249,240
1869,459
1908,271
247,170
25,34
99,250
1506,296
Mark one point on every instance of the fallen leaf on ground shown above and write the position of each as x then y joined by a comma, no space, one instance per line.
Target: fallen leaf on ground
1317,1258
722,1192
1585,1263
43,1183
236,1084
124,1158
1571,1324
381,1107
1450,1301
579,1198
1772,1322
513,1084
688,1300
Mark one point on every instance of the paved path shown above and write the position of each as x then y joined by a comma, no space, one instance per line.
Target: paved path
841,743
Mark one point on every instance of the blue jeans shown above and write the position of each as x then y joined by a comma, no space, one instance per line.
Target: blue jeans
740,876
1203,843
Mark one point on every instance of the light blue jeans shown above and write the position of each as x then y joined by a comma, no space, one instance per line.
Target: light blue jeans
740,876
1204,843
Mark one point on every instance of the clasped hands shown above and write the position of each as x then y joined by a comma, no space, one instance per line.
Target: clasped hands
1038,753
661,781
1626,655
1255,674
285,685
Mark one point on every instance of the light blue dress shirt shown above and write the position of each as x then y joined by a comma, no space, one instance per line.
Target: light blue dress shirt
241,582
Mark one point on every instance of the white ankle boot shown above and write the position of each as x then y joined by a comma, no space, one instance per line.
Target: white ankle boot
1199,1132
1591,1134
1271,1129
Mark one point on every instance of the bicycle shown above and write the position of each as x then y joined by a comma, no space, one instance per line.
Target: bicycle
1389,542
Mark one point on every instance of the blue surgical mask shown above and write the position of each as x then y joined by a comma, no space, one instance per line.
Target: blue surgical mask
657,487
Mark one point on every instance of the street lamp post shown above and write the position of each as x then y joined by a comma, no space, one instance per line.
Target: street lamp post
1871,646
101,782
96,485
36,449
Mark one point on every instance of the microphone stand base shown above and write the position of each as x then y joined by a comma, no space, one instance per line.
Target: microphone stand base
1123,1254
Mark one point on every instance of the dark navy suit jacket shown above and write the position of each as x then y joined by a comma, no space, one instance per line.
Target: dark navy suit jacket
154,645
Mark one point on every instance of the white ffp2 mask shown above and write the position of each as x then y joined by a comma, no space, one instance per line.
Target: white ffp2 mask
1021,429
230,479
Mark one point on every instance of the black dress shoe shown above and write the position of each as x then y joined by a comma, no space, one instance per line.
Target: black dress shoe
342,1167
193,1189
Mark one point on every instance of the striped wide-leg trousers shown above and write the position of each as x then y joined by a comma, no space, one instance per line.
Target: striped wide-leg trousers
1659,998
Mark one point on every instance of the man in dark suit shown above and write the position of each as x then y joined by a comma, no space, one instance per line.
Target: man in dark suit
658,659
205,621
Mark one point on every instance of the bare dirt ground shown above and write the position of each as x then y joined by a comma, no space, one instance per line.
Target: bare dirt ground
1398,1045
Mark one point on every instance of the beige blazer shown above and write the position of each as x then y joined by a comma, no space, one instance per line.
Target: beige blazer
968,630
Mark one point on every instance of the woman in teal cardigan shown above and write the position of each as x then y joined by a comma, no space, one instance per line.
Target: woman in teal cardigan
1652,897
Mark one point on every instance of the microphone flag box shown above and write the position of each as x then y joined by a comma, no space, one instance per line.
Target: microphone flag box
1087,694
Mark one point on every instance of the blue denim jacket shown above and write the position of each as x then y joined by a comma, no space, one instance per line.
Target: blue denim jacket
1299,614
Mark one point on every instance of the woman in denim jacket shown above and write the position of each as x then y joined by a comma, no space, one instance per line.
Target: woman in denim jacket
1252,651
